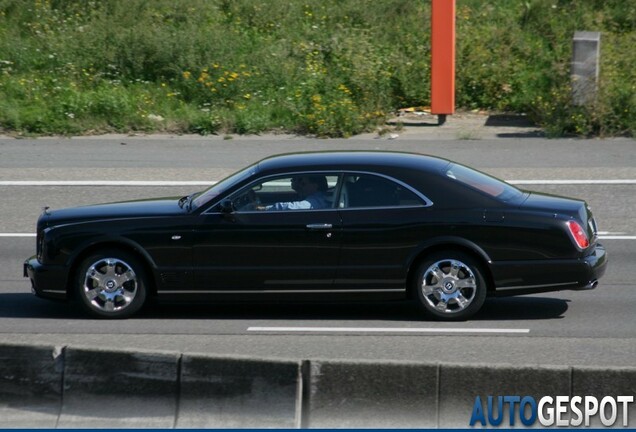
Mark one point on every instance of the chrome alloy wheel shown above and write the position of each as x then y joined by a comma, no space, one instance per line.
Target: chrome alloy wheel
448,286
110,285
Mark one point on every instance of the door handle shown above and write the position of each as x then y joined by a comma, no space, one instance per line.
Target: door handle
320,226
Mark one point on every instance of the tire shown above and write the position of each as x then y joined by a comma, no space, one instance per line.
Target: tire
111,284
450,286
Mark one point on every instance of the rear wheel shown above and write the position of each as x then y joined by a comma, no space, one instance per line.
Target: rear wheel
111,284
450,285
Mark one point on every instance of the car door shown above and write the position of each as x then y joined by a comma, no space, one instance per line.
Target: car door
383,220
256,246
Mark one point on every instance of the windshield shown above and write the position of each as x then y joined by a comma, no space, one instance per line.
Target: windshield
222,186
484,183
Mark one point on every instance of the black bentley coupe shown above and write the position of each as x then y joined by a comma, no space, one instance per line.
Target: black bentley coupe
324,226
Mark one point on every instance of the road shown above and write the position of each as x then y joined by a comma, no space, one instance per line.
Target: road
576,328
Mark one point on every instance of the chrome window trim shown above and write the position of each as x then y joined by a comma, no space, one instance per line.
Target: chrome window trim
341,174
404,207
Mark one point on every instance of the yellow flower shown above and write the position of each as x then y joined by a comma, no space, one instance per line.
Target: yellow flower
247,96
186,75
344,88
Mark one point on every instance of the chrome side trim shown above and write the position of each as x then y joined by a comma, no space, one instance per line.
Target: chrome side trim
53,291
315,291
535,286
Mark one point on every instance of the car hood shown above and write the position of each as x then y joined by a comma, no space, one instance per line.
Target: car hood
120,210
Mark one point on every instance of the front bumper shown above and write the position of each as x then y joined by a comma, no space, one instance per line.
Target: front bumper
46,281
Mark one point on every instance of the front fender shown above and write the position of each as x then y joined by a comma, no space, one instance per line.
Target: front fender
106,241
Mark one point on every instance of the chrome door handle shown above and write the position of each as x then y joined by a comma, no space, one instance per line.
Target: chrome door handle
320,226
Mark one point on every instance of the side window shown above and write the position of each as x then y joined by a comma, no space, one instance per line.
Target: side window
367,190
311,191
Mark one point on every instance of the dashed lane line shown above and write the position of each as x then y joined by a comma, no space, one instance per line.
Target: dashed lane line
103,183
408,330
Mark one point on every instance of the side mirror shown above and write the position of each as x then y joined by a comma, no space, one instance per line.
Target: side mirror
226,206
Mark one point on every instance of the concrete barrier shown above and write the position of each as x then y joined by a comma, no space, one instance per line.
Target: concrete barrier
30,386
119,389
239,393
372,395
606,382
461,384
67,387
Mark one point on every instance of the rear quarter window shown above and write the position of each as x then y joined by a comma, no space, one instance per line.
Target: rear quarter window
483,183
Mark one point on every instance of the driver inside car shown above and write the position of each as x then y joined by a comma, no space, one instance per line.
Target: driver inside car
311,190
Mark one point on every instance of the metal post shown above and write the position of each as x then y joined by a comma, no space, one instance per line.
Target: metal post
443,58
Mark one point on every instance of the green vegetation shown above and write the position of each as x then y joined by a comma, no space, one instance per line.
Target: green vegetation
324,67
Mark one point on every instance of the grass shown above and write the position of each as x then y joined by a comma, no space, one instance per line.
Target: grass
323,67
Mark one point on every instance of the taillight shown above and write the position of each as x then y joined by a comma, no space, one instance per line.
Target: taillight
578,234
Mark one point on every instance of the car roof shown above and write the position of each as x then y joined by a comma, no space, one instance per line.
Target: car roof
343,160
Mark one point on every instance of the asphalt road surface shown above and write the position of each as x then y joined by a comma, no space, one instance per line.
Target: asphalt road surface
577,328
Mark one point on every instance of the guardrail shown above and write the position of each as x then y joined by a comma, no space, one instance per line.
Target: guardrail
72,387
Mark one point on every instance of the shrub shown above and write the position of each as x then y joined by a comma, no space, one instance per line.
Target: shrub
324,67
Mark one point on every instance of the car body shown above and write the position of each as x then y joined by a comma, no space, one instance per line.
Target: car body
395,226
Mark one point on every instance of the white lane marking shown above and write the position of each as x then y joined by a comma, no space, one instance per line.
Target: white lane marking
209,183
17,235
382,330
104,183
575,182
609,237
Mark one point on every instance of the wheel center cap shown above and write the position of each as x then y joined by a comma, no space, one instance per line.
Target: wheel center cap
110,285
449,286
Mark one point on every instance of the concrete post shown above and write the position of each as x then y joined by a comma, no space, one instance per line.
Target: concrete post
585,67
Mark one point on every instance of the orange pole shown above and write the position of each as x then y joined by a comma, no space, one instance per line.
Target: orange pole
443,57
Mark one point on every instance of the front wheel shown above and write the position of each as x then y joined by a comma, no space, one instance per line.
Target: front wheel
111,284
450,286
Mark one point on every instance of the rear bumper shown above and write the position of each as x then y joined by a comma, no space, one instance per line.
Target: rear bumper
529,277
46,281
597,264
